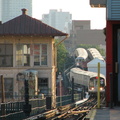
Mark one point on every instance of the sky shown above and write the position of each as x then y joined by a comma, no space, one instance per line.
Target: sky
80,10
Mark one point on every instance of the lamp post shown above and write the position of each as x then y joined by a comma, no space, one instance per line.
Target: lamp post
26,76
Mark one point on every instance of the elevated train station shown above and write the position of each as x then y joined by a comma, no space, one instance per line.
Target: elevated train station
112,107
112,32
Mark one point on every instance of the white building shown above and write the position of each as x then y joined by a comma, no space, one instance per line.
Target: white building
93,66
9,9
59,20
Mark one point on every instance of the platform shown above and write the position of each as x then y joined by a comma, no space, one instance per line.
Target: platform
104,113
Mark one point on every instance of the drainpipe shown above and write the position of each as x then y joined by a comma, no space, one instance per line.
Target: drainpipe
62,40
55,48
55,62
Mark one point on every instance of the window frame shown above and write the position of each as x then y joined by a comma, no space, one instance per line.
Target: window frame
8,91
21,56
43,85
40,55
5,55
40,59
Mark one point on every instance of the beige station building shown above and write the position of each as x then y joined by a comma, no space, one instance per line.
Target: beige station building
28,44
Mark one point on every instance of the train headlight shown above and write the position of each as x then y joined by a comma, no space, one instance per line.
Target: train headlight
101,88
92,88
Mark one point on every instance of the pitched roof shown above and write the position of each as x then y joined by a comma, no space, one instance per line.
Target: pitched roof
26,25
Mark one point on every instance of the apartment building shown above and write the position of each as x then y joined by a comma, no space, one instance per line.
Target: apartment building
59,20
9,9
82,34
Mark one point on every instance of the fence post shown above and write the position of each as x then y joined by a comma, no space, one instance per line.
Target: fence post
98,84
3,97
48,102
26,106
72,89
111,90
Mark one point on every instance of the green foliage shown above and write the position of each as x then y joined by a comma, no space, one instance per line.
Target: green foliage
86,46
61,56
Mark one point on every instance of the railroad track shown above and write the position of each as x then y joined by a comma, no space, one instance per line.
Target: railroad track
70,112
76,113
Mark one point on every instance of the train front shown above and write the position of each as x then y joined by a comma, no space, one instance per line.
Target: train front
93,85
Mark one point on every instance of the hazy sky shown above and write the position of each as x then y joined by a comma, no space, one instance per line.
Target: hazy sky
80,10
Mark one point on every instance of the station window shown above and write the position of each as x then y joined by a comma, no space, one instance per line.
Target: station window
43,85
23,54
8,83
6,55
40,54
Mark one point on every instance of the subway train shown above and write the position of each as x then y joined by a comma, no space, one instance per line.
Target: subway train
94,53
88,81
81,58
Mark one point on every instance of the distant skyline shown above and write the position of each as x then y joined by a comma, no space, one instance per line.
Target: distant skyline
80,10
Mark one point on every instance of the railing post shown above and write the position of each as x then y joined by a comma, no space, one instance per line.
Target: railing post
26,106
111,90
3,97
98,84
72,89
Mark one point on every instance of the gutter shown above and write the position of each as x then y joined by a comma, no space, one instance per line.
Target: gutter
55,53
62,40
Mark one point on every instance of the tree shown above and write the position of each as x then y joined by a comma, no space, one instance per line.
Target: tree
61,56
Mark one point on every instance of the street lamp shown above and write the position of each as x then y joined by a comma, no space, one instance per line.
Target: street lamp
60,87
26,76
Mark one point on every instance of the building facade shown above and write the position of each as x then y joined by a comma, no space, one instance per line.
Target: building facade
112,32
28,44
113,51
9,9
82,34
59,20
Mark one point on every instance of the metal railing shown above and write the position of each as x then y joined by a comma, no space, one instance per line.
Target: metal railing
67,99
14,110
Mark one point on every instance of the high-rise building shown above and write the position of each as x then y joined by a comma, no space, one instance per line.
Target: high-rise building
0,10
9,9
59,20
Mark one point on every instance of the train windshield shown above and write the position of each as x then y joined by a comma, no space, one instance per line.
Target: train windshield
93,82
102,83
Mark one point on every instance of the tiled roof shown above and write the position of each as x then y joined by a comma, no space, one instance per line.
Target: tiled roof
26,25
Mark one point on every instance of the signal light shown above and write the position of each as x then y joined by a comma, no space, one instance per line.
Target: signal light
97,77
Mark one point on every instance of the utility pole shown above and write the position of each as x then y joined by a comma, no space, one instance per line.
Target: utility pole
98,84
